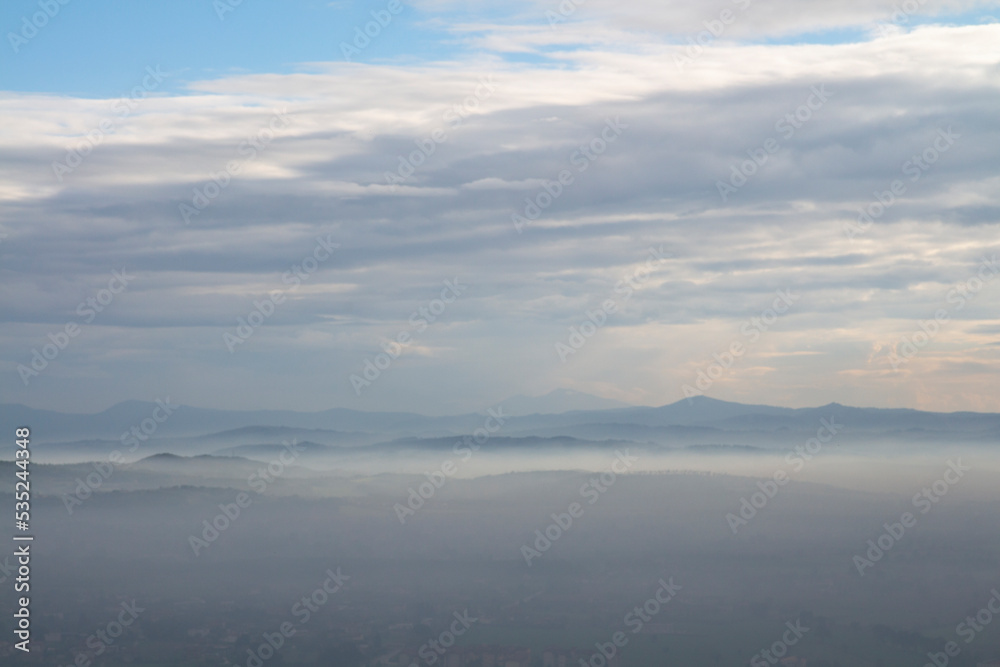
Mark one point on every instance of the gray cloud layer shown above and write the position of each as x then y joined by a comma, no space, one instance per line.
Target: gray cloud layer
324,176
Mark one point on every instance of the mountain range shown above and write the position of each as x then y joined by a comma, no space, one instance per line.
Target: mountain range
697,421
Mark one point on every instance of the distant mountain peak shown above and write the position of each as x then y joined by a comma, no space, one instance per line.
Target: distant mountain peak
165,456
704,400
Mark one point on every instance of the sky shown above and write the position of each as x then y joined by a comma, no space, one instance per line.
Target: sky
431,206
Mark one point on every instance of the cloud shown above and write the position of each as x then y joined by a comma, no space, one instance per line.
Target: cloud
727,19
325,175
